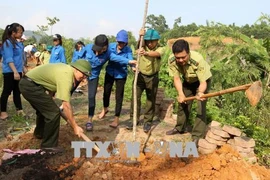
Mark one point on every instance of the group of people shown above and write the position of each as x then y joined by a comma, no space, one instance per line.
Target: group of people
190,72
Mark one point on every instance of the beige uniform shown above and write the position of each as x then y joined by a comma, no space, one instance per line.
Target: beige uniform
196,69
151,65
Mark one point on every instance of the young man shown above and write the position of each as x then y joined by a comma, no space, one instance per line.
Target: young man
148,78
191,75
60,80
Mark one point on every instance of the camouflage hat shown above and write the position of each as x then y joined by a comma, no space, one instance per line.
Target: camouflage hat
82,65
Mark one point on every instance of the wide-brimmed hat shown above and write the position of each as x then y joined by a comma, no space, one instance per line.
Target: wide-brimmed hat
37,54
82,65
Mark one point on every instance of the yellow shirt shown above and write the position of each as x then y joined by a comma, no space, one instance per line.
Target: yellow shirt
151,65
196,69
56,77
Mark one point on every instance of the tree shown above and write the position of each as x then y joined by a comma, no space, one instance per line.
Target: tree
52,21
177,22
157,22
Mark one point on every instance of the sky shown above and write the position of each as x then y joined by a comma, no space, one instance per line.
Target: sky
88,18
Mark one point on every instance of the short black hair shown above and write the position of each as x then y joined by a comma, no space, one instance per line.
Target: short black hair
180,45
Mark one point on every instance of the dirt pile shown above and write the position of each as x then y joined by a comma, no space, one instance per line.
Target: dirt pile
224,163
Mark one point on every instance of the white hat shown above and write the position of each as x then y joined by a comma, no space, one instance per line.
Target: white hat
37,54
24,37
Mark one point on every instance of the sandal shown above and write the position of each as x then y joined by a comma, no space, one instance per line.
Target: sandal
112,126
4,119
89,126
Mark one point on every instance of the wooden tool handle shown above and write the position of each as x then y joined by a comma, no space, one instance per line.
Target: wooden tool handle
225,91
88,140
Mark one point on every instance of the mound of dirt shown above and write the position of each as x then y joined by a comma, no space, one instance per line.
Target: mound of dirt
225,163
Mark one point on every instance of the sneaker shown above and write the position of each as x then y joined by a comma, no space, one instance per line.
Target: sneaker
89,126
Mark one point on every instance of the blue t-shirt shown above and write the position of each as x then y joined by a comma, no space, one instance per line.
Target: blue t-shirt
12,54
97,61
78,54
115,69
58,55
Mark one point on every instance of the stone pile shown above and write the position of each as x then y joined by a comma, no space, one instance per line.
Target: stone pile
166,108
218,135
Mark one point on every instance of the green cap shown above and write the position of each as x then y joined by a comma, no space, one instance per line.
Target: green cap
151,34
82,65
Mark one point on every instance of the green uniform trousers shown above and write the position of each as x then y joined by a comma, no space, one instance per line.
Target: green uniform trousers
150,85
48,113
198,131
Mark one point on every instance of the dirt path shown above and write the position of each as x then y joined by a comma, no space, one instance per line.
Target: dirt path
222,164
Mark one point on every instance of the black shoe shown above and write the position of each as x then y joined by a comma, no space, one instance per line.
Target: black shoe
130,125
175,131
146,127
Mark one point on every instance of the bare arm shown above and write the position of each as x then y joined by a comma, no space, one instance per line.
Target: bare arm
178,86
13,68
67,114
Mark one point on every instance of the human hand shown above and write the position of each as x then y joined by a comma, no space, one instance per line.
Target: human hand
17,76
132,62
142,32
133,69
181,98
141,52
78,130
199,96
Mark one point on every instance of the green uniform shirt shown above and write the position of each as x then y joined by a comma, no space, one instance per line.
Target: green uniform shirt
45,57
197,69
151,65
57,78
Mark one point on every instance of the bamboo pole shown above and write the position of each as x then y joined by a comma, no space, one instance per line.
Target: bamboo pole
136,76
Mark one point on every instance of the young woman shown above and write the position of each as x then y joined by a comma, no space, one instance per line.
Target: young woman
12,67
117,73
79,52
58,52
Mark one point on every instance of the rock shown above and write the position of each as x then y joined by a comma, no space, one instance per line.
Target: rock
218,131
244,142
231,142
174,116
252,159
216,137
213,141
205,151
206,145
214,123
232,130
243,149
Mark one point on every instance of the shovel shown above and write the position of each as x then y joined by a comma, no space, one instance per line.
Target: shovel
253,92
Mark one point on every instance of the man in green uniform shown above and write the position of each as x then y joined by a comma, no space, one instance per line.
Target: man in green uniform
148,78
195,73
39,86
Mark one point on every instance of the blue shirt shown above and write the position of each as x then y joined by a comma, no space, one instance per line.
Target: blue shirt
98,61
12,54
78,54
58,55
115,69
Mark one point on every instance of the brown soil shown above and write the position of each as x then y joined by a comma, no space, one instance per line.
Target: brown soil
222,164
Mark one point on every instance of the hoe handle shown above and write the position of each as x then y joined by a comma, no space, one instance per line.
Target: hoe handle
225,91
89,140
